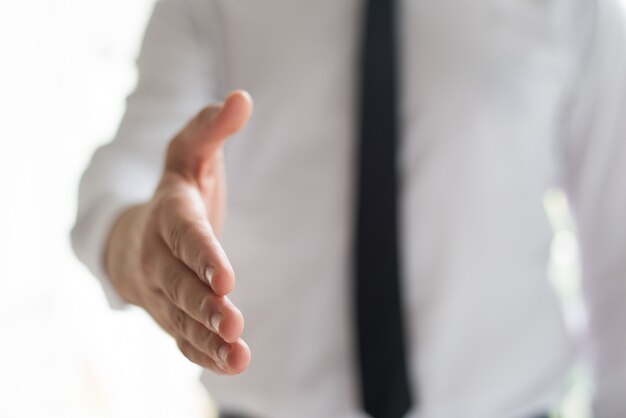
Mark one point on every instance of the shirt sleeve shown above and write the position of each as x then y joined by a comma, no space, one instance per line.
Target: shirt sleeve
177,77
595,161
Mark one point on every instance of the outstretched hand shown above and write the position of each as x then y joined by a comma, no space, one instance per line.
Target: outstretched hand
165,256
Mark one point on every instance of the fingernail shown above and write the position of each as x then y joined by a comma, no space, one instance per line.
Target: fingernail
223,353
208,275
215,321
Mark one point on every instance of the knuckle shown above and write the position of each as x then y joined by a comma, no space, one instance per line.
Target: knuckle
179,321
181,232
200,338
206,339
196,260
204,304
175,238
174,286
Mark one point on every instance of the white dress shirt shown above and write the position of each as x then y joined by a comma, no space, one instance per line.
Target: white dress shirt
500,100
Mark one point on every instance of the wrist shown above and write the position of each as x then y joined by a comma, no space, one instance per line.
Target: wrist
122,253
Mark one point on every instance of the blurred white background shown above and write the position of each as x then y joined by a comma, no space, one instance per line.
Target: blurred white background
65,68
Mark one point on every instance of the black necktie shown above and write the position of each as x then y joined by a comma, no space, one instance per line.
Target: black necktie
384,383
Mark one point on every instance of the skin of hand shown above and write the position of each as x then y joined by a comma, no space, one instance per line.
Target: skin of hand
164,255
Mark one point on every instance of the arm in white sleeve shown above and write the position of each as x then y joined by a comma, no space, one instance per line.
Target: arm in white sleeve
595,161
177,76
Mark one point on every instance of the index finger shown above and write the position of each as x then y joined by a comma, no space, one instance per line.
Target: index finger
190,237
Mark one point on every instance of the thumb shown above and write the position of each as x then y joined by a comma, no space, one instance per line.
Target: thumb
194,148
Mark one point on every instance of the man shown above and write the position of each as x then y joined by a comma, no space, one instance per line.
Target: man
384,213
